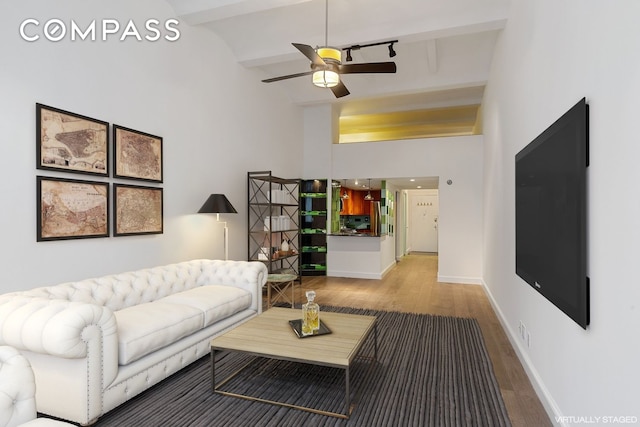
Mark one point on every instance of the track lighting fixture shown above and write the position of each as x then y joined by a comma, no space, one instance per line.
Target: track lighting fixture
349,57
392,51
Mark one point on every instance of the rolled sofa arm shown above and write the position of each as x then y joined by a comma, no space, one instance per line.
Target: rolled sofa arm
56,335
55,327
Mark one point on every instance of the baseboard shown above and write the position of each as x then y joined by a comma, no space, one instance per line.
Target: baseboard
460,280
389,268
354,274
545,397
361,275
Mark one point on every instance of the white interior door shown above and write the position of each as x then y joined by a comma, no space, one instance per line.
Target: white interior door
424,224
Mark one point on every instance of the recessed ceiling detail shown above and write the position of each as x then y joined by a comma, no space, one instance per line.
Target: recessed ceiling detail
424,123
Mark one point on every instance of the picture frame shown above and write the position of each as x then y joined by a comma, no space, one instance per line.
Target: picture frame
71,209
137,210
136,155
71,142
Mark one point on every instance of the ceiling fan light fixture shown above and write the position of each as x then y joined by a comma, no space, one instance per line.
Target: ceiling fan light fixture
326,78
329,53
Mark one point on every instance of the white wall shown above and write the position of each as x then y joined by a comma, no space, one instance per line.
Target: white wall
218,122
318,135
550,55
456,158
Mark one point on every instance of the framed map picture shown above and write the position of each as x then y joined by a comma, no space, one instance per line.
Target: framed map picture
136,155
70,209
71,142
137,210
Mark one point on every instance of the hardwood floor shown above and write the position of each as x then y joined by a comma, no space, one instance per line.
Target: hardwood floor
411,286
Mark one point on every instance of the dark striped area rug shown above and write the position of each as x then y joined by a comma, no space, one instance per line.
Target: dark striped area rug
431,371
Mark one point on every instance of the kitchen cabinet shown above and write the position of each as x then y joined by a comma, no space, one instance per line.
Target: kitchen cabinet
356,204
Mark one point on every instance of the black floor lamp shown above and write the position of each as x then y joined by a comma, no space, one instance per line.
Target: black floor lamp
217,204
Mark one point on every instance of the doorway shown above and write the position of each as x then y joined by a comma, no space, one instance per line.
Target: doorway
423,220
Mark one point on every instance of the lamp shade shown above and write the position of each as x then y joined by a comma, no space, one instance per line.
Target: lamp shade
326,78
217,203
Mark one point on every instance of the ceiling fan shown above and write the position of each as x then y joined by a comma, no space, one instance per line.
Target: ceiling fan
326,65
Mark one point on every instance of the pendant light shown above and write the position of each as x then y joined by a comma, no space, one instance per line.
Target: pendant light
369,196
345,195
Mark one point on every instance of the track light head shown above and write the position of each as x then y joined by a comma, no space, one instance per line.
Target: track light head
349,57
392,52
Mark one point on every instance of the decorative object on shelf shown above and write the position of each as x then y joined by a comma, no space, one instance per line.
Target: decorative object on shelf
137,210
136,155
71,142
310,315
277,223
217,204
264,254
70,209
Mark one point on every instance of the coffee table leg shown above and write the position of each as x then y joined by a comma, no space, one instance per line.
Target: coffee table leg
293,297
375,341
213,370
348,392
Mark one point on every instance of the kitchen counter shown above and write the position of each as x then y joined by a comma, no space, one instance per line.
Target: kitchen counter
348,234
359,258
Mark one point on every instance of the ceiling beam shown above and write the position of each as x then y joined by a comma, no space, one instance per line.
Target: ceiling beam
287,53
195,12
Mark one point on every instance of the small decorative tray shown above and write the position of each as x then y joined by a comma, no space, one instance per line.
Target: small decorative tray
296,325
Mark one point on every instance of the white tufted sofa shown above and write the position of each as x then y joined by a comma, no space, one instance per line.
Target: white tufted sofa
17,392
97,343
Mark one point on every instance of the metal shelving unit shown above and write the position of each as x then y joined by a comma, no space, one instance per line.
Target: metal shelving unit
273,216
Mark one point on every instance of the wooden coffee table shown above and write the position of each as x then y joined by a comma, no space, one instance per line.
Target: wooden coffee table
270,335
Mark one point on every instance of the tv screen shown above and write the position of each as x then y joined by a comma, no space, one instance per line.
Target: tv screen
551,229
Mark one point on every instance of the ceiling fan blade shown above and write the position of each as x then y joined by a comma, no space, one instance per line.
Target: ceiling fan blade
310,53
369,67
340,90
290,76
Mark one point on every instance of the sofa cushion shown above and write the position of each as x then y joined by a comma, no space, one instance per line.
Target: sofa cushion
144,328
215,301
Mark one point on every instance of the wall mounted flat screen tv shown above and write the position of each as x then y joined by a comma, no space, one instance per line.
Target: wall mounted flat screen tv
551,213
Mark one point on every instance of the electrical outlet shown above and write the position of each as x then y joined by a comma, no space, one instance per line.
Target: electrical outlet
520,328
